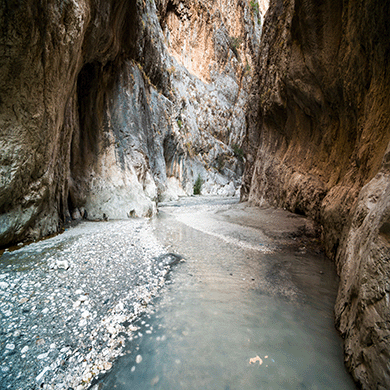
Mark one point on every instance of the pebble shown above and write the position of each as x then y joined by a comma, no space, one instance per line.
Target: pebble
24,349
138,359
85,314
10,347
155,380
40,376
3,285
63,264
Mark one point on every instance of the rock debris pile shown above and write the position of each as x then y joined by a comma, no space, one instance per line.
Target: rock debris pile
68,303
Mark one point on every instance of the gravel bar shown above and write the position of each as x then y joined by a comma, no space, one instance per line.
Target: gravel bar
68,303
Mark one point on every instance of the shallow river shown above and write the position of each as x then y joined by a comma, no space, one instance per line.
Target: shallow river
250,306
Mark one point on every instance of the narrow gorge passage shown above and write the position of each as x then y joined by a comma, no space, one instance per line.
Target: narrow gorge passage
245,293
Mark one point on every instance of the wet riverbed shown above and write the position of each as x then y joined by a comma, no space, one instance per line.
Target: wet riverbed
250,308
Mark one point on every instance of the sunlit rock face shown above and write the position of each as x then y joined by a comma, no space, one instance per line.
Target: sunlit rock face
212,47
317,144
109,106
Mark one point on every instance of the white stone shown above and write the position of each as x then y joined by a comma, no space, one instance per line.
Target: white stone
82,323
138,359
43,356
64,264
10,347
40,376
3,285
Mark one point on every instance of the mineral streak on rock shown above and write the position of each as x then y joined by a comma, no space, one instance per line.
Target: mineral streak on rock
317,143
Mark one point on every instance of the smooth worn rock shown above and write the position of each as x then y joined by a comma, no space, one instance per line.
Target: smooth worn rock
317,144
110,106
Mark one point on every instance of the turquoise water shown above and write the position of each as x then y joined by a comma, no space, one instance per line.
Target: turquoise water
235,298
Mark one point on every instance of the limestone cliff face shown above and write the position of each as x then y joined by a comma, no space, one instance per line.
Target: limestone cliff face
212,46
108,106
317,144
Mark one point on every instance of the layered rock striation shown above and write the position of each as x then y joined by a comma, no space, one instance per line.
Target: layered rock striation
107,107
317,143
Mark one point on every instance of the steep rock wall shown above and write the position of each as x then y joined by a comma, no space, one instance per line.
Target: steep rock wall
318,131
99,119
212,46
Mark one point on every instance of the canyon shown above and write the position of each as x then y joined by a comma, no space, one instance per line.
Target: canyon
109,107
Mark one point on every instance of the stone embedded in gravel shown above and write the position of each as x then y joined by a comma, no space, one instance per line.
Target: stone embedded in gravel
43,356
138,359
40,376
3,285
63,264
85,314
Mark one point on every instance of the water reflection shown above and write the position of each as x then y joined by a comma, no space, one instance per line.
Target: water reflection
230,303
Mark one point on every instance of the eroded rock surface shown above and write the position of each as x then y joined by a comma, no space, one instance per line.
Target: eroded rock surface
107,107
318,131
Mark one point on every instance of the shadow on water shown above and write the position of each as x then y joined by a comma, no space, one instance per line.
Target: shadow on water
232,316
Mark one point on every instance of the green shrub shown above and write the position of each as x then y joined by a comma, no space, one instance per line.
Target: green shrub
238,152
255,9
255,6
235,43
198,185
179,123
